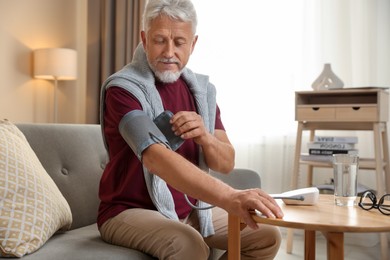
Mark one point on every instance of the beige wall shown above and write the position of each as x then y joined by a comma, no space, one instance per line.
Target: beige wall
33,24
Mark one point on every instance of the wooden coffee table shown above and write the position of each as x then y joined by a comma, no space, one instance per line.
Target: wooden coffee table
325,216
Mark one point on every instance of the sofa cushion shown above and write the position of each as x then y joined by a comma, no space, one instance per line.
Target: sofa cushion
32,208
84,243
74,156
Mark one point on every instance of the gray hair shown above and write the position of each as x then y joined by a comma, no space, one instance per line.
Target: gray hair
182,10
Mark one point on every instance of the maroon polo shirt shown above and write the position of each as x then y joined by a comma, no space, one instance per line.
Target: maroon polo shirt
122,185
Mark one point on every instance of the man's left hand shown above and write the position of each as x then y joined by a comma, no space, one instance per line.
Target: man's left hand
189,125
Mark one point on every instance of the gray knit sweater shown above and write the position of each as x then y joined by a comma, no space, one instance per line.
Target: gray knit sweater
138,79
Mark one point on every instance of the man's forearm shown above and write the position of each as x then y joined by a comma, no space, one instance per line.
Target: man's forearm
185,176
189,179
219,153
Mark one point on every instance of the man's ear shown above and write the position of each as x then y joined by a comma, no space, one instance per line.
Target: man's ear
194,43
143,38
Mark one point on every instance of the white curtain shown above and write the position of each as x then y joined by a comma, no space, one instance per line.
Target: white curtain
259,52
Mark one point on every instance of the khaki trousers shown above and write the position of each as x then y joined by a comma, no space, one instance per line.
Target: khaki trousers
152,233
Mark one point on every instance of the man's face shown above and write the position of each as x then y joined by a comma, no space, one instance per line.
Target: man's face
168,45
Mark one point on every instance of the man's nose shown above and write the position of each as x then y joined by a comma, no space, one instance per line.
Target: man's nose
169,50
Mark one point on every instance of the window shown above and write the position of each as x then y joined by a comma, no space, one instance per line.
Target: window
259,52
252,51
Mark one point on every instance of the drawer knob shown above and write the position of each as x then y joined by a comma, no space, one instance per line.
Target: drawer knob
315,108
355,108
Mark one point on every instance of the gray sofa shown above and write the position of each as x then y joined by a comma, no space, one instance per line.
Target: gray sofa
74,156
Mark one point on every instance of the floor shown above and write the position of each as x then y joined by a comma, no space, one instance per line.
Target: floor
356,247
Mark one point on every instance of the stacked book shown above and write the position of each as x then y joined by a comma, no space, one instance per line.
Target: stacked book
323,147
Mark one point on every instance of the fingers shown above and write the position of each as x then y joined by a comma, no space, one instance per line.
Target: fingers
268,206
187,124
247,218
256,199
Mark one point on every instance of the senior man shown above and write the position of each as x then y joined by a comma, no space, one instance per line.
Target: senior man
155,198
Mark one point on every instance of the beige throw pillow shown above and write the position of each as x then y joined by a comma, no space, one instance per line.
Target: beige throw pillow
32,208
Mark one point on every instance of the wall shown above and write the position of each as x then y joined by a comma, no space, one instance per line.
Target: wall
33,24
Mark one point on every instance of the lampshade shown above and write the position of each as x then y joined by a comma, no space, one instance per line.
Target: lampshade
55,63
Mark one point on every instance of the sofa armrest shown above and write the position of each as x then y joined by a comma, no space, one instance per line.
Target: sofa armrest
240,178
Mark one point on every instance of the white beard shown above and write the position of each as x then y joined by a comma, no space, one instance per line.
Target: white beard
165,76
168,76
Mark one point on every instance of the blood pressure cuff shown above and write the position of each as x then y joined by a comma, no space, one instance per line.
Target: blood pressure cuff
139,132
163,123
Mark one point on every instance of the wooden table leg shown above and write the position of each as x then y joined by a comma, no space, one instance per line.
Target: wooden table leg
386,159
381,154
294,180
234,238
380,178
297,156
289,240
309,178
335,245
310,245
384,248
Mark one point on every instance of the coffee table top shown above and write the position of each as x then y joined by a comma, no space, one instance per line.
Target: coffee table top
326,216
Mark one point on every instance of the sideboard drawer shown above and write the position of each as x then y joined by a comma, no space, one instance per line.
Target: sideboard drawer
357,113
316,113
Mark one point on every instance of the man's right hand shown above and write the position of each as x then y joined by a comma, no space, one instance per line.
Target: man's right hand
243,202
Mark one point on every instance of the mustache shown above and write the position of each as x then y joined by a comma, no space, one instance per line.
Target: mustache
172,60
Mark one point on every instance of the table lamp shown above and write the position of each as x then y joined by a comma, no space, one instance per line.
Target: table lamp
55,64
